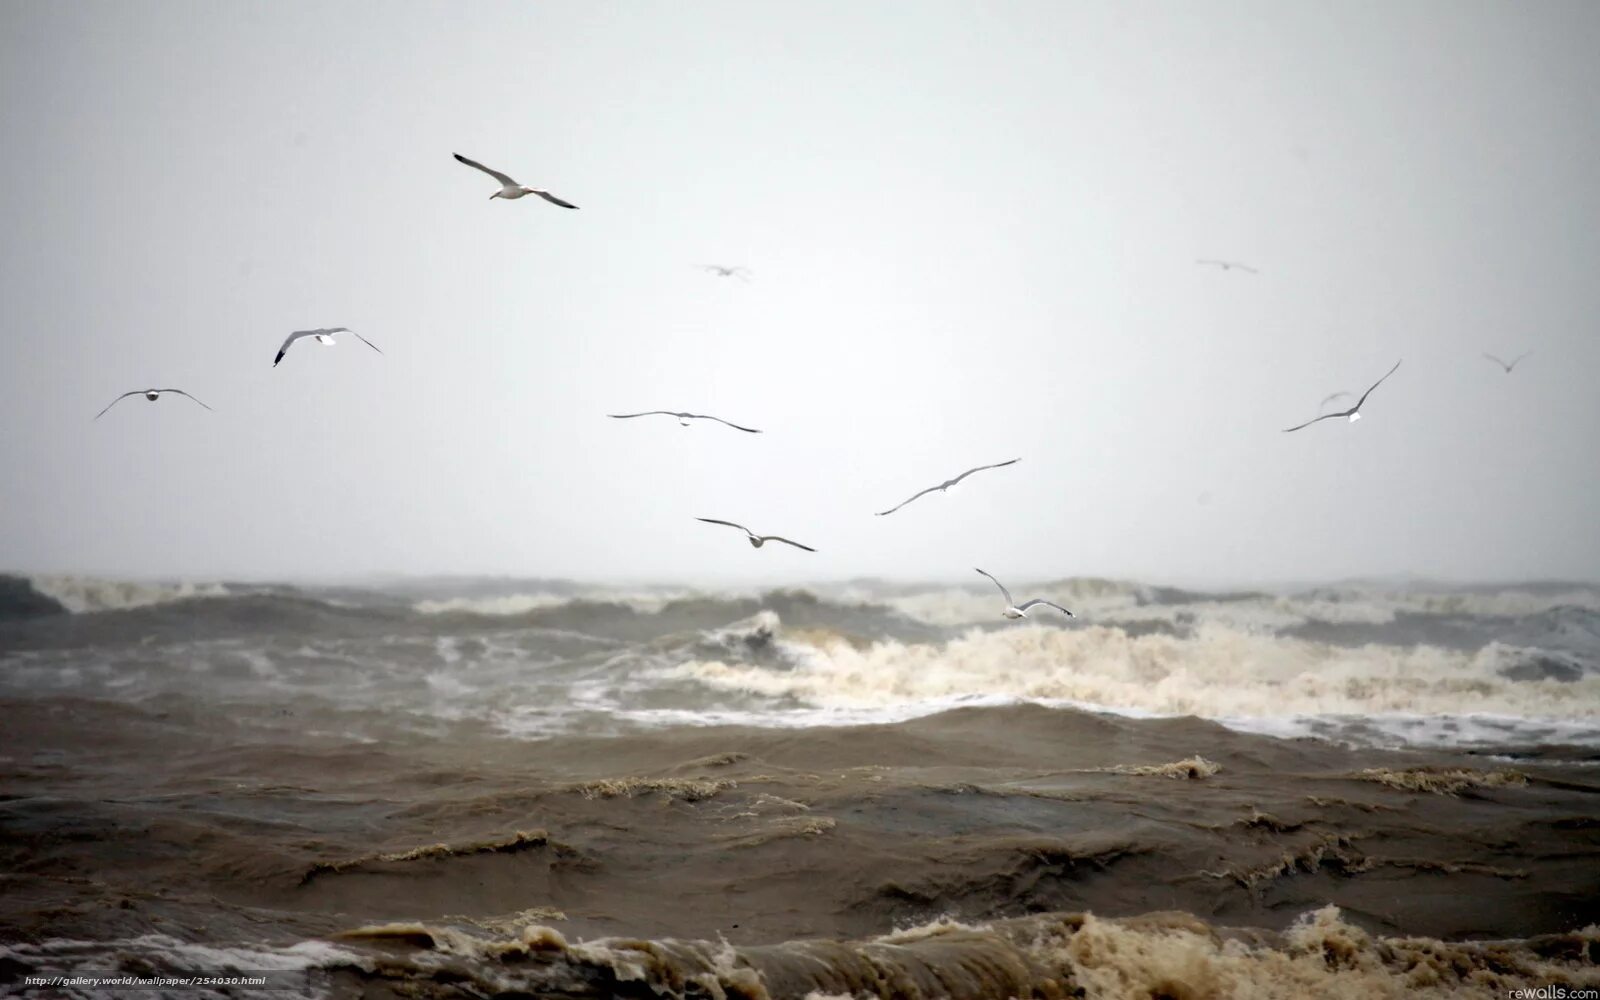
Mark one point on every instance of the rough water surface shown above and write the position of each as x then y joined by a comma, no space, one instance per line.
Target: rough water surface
467,788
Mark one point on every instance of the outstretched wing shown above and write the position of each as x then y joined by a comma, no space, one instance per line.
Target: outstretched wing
114,402
1497,361
646,413
1308,423
780,538
497,175
1518,360
182,393
360,338
291,339
707,416
1328,399
712,520
902,503
1049,604
1003,590
1386,374
552,199
997,465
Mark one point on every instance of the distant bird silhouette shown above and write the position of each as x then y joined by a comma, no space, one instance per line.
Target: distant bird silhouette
1515,361
1228,265
756,541
510,189
683,418
944,486
1354,413
743,273
323,336
151,394
1015,610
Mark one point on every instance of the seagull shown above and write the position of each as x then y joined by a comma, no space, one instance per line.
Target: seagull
683,418
510,189
947,484
1514,362
1228,265
323,336
727,272
755,539
1014,610
151,394
1354,413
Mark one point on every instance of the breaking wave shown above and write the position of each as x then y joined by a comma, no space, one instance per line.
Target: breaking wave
1239,677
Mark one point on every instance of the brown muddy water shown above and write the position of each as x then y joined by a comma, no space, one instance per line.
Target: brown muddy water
791,795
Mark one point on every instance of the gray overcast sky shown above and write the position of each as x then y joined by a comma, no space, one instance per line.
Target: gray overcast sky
972,229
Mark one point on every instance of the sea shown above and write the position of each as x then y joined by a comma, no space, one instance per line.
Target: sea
496,787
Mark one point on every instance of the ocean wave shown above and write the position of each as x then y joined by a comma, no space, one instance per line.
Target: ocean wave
1226,674
90,594
1057,954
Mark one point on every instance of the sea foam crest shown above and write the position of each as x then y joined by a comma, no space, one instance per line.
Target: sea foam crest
1237,676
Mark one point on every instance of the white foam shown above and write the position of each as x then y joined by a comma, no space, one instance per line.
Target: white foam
87,594
1234,676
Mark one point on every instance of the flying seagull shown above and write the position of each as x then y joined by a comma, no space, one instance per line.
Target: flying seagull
755,539
683,418
510,189
151,394
727,272
1015,610
947,484
1354,413
323,336
1514,362
1228,265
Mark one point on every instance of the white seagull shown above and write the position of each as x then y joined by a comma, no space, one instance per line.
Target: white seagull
942,487
151,394
727,272
683,418
755,539
323,336
1015,610
1228,265
510,189
1354,413
1514,361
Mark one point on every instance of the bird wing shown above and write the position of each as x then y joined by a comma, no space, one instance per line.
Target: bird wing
182,393
1049,604
1364,395
114,402
1497,361
712,520
707,416
1242,267
1003,590
1328,399
360,338
780,538
291,339
646,413
1518,359
552,199
497,175
1325,416
902,503
980,468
